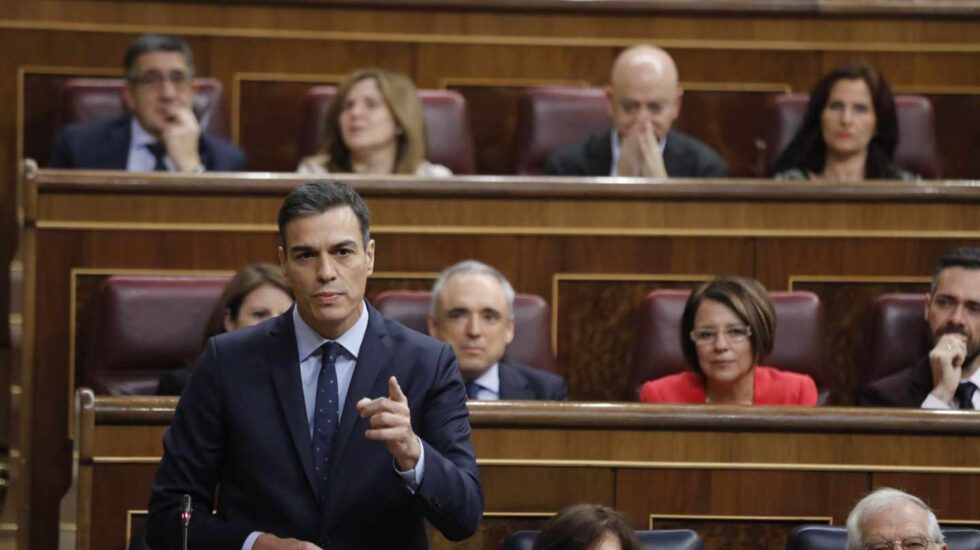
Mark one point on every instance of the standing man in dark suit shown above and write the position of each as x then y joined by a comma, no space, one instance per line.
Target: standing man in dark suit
949,376
161,133
645,99
473,310
326,427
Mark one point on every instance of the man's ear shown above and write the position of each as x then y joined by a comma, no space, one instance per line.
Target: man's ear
610,101
432,326
510,329
282,259
369,251
679,99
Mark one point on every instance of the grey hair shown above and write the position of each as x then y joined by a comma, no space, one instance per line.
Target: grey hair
878,500
470,267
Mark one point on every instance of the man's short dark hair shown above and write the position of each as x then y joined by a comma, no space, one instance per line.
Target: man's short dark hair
966,257
316,197
147,43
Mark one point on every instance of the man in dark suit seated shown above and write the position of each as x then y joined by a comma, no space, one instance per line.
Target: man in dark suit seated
161,132
473,311
948,377
645,99
328,426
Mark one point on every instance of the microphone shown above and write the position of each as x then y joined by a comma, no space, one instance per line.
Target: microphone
185,518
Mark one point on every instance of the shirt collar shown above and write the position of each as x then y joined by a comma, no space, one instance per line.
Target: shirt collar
309,340
139,136
490,380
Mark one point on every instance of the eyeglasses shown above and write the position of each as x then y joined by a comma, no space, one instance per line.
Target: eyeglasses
156,79
735,335
908,543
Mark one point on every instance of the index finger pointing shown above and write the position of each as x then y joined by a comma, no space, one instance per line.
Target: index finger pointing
395,392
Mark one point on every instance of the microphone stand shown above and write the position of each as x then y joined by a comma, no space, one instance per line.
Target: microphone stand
185,518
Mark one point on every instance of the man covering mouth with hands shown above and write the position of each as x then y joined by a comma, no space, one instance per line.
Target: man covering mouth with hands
949,376
644,100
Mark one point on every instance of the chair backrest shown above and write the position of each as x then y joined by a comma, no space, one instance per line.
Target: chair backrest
548,118
916,151
897,337
666,539
825,537
532,323
86,99
447,125
145,325
798,344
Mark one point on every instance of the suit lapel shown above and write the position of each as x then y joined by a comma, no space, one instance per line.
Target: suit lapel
114,150
673,157
599,154
289,389
372,361
513,384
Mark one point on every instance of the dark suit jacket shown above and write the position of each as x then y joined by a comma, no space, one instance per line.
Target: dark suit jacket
771,387
519,381
684,157
906,388
174,381
104,145
241,424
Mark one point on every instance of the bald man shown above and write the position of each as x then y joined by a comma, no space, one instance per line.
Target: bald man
644,99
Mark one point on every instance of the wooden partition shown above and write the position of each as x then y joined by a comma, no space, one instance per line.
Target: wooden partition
742,477
592,247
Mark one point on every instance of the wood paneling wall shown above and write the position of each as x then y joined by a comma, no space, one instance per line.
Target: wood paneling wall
593,250
490,51
741,477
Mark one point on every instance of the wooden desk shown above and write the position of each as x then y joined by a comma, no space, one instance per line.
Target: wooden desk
742,477
592,248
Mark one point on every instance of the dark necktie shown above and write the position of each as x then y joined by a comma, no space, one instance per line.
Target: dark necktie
325,414
472,390
159,152
964,394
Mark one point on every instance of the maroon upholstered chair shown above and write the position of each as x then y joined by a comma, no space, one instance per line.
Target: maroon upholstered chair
898,336
798,342
548,118
916,151
145,325
532,323
86,99
447,126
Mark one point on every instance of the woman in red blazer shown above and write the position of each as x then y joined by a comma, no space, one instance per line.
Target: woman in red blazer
726,328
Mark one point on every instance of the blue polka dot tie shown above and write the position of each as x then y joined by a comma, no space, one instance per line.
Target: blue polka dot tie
325,415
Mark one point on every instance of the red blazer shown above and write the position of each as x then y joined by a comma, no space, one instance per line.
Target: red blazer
771,387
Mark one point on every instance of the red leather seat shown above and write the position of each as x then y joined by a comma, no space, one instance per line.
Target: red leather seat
548,118
532,323
143,326
85,99
898,335
916,151
450,141
798,344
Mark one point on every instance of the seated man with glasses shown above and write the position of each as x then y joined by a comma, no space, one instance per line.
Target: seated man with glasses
161,132
727,327
888,518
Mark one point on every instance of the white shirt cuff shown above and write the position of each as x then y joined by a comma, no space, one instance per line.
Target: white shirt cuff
250,540
413,477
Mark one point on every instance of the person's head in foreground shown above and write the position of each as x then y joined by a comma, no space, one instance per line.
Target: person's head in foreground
587,527
889,519
849,131
326,254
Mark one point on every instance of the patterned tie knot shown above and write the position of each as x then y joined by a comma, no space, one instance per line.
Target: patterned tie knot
330,351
